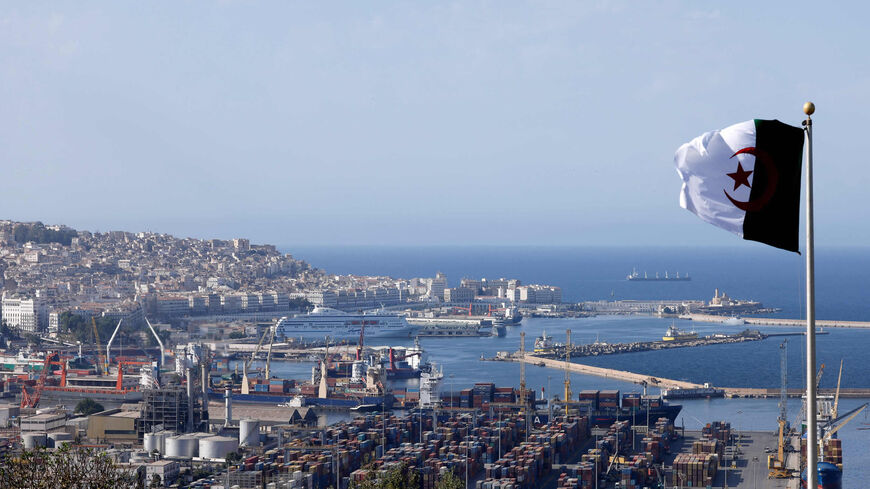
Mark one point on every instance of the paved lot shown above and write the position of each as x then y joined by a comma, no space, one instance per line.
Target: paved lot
749,469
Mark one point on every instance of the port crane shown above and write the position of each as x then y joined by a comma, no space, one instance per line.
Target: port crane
32,401
568,394
102,366
245,389
776,465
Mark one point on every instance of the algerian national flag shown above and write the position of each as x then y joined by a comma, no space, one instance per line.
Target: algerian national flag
746,179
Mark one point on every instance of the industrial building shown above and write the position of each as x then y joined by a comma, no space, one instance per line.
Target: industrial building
114,425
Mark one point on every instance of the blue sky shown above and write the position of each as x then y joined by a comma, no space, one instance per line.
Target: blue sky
414,122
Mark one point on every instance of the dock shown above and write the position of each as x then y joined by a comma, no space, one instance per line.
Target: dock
663,383
798,323
609,373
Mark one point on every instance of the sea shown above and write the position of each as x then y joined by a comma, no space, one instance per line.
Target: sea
774,277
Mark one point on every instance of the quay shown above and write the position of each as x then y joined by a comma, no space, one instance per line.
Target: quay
608,373
663,383
798,323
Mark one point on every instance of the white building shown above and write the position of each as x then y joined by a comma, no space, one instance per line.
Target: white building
435,286
26,314
167,470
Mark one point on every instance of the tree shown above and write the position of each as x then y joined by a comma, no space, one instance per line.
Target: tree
300,303
155,481
66,467
234,335
449,481
401,476
88,406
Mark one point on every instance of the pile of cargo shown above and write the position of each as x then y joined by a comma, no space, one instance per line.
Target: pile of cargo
694,470
719,430
832,452
274,386
608,399
635,471
524,465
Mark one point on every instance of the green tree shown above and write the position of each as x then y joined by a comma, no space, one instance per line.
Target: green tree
89,406
301,304
400,476
155,481
449,481
234,335
73,468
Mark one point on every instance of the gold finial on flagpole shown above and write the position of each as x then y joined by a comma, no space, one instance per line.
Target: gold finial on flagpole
809,108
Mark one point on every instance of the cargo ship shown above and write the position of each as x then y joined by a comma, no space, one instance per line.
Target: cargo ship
675,334
634,276
603,407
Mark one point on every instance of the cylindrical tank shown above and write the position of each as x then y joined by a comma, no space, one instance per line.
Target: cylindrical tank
57,439
34,440
249,432
156,441
217,446
184,446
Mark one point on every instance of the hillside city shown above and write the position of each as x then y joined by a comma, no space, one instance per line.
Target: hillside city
47,271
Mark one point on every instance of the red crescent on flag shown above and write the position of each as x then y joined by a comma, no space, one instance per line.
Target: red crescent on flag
762,157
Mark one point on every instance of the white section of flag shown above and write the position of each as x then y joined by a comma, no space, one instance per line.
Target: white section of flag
703,164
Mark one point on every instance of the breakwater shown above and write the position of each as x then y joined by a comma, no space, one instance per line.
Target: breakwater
799,323
597,348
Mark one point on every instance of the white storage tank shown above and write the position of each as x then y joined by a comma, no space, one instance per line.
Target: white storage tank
151,442
58,438
217,446
184,446
249,432
156,441
34,440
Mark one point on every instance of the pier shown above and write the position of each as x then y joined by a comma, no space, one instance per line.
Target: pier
609,373
798,323
738,392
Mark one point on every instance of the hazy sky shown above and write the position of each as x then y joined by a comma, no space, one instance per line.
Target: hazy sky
414,122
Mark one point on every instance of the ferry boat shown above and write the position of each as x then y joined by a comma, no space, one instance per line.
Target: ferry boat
634,276
325,321
675,334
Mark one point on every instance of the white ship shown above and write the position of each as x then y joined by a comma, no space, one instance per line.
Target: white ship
325,321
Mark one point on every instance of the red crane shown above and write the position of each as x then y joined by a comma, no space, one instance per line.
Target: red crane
31,401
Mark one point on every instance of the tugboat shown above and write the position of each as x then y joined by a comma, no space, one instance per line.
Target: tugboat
675,334
544,343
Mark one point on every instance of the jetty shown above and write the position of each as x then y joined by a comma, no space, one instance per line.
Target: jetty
798,323
609,373
663,383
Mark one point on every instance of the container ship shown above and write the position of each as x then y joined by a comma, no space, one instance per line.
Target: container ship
603,407
634,276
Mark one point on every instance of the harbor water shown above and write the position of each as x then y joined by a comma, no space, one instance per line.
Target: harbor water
748,271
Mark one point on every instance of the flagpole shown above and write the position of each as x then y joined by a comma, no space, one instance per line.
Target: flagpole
812,431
